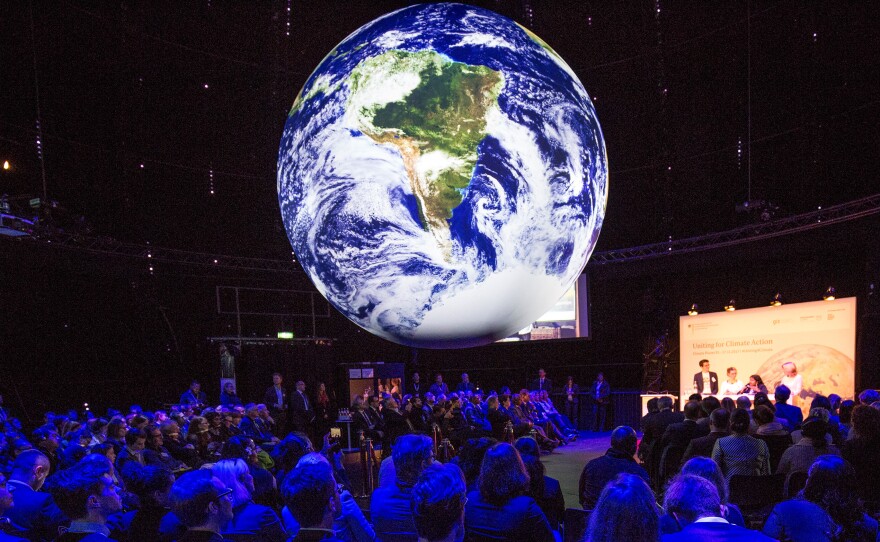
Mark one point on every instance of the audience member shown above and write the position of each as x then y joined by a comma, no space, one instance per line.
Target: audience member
719,422
862,451
88,499
202,504
771,432
438,503
618,459
653,433
626,510
470,459
793,414
708,469
500,509
310,493
248,518
829,508
152,485
800,457
390,509
694,503
194,396
439,387
740,453
33,511
544,489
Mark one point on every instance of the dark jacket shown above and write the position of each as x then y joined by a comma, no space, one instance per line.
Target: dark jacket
717,532
35,512
517,520
301,413
682,433
391,514
792,414
535,385
270,399
654,426
256,521
713,382
602,470
702,446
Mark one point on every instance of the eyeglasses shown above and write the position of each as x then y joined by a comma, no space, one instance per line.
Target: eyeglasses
227,493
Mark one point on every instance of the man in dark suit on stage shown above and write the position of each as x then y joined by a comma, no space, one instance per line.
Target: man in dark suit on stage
302,413
542,383
706,382
277,401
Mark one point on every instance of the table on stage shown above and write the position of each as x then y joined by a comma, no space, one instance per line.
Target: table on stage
648,396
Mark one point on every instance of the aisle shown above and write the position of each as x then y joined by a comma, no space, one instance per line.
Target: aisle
566,463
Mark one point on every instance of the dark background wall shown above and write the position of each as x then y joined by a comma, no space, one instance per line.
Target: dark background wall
87,328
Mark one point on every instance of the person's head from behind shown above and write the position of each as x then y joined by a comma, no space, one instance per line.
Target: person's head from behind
31,467
200,500
653,405
235,475
815,429
743,402
846,410
866,423
291,449
709,405
626,510
503,475
309,492
782,394
763,415
739,421
820,401
689,498
86,495
411,454
719,420
151,484
692,410
664,403
530,454
708,469
869,397
470,457
728,404
624,440
831,484
438,500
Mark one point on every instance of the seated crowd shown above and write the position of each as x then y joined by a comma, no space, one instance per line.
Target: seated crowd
796,479
232,473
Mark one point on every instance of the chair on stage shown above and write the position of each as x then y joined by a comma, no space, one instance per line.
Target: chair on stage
756,496
574,524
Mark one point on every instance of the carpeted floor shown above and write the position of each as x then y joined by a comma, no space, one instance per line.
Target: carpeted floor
566,462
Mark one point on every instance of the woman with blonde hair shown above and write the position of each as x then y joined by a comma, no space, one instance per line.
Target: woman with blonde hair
248,518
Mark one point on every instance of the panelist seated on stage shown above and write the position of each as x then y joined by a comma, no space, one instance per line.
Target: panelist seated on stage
731,385
706,382
755,385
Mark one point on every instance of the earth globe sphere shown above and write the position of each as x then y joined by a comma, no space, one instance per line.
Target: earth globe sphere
442,176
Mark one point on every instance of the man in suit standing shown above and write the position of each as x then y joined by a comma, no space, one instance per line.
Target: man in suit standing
418,389
302,413
600,393
694,503
542,383
276,399
706,382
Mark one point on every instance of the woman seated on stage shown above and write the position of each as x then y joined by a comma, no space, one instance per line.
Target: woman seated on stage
731,386
755,385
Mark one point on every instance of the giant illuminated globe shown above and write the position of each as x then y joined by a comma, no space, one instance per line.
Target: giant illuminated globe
442,176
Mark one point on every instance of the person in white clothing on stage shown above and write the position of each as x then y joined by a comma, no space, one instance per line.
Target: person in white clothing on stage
731,385
793,381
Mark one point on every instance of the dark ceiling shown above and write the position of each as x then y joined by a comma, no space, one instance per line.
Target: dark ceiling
141,101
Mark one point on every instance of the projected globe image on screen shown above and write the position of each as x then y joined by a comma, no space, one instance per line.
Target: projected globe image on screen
442,176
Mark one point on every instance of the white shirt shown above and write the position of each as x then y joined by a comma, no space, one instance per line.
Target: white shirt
731,389
707,384
794,383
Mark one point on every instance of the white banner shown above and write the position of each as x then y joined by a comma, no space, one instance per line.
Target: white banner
818,337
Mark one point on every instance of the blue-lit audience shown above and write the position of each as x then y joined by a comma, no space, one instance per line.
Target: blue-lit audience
233,472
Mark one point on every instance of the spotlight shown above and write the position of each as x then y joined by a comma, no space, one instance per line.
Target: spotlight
731,306
777,300
829,294
6,165
694,310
